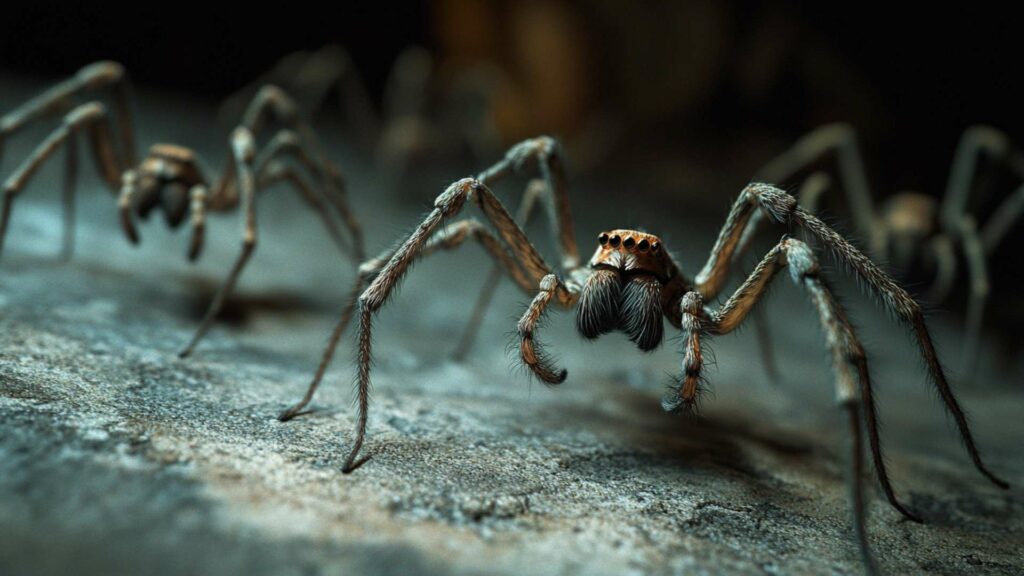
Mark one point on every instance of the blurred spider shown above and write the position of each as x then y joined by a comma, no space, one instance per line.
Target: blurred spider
914,232
420,120
632,282
171,178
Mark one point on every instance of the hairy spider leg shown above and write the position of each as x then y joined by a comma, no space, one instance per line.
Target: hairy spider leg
249,169
782,208
546,153
524,214
91,118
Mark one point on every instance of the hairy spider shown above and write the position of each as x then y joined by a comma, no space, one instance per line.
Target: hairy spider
170,178
632,282
916,232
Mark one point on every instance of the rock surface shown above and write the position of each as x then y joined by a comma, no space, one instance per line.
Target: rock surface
116,457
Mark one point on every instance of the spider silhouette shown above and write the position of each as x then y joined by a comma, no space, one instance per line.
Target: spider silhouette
632,283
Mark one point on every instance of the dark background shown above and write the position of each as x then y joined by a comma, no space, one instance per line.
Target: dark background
911,80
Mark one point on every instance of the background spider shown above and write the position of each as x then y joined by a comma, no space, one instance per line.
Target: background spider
171,178
916,233
421,120
632,283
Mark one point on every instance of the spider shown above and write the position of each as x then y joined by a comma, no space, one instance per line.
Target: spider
171,178
420,119
632,282
913,231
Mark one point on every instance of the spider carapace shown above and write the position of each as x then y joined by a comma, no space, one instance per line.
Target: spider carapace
167,178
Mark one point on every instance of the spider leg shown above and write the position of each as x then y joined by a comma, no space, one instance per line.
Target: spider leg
299,140
68,196
547,153
852,175
976,141
974,250
242,159
92,118
450,237
311,76
847,355
198,196
534,189
530,350
57,99
446,205
945,265
804,268
783,208
1002,220
275,172
810,194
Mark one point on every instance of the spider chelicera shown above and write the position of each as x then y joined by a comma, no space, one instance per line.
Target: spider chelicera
632,282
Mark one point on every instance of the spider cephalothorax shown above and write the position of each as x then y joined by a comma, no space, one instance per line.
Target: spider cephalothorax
165,178
625,290
633,284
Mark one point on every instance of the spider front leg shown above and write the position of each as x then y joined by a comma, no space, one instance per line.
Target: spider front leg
530,350
244,153
534,190
449,238
447,204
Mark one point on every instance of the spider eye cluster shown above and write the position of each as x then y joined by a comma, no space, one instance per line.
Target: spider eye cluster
628,242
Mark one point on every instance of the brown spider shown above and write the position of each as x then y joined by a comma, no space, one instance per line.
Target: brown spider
632,282
913,231
171,178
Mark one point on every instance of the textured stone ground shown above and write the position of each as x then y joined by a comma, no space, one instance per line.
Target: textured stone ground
117,457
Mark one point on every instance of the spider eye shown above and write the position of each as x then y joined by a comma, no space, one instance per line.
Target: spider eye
603,239
643,245
616,241
655,247
629,242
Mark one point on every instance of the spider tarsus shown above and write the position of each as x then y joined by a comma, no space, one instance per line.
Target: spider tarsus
673,403
351,466
289,413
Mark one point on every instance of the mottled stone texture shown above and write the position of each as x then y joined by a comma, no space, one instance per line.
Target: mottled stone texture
116,457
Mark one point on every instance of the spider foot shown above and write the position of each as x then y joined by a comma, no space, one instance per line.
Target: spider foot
350,467
291,412
678,400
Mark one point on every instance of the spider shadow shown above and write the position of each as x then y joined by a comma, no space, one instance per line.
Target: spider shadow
724,440
240,308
